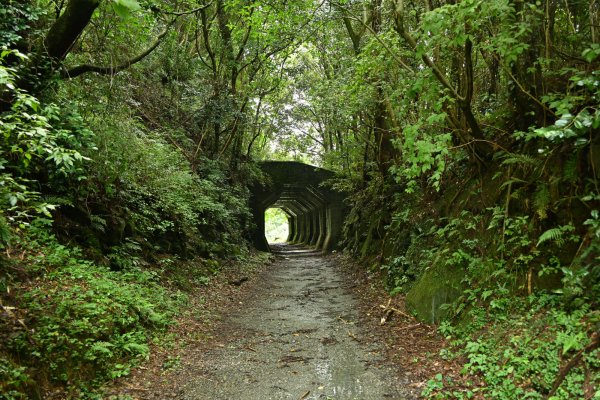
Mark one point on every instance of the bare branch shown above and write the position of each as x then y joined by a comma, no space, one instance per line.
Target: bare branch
180,13
111,70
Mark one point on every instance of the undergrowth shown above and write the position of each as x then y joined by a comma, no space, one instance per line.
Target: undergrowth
506,259
105,228
73,323
521,351
525,324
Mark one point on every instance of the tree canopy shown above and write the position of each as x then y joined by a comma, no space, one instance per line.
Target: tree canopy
464,133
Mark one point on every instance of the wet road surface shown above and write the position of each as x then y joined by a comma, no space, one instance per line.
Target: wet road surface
296,339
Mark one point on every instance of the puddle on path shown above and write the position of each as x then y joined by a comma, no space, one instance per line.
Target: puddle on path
296,340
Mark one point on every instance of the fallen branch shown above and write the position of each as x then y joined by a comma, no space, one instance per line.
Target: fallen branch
137,389
386,316
409,327
564,371
344,321
389,311
305,395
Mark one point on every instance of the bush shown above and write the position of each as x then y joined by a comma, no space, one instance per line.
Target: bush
84,323
40,147
520,352
166,203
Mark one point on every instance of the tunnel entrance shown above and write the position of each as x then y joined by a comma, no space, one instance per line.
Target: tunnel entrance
276,225
315,212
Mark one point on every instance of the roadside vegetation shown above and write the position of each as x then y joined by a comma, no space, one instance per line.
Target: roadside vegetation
465,134
106,226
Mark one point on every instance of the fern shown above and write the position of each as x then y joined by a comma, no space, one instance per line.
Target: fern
541,200
98,223
517,195
557,235
58,200
554,234
512,181
523,160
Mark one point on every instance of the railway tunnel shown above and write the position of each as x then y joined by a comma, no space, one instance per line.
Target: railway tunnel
315,213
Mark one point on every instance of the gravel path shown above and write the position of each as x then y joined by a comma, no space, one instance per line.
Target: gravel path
295,339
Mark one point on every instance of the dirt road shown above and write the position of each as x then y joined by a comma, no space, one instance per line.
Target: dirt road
297,338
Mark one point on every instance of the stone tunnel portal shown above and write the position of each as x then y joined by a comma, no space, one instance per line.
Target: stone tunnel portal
315,213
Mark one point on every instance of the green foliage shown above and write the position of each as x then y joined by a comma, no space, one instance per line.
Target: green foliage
401,99
514,336
125,193
13,379
367,214
125,7
137,177
556,235
84,322
520,352
15,18
424,152
36,140
577,112
542,200
515,345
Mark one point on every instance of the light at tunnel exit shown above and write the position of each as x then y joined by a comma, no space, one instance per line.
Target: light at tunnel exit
276,225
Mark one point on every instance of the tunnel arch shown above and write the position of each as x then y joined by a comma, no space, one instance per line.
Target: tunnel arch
315,213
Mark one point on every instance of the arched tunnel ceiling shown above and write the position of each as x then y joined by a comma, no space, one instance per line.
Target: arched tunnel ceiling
303,196
315,213
311,196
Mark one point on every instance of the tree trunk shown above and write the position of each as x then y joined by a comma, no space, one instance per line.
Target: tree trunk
525,111
62,35
385,149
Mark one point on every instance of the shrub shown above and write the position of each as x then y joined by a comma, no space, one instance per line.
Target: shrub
84,323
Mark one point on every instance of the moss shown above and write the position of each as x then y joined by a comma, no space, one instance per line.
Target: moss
366,246
437,286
